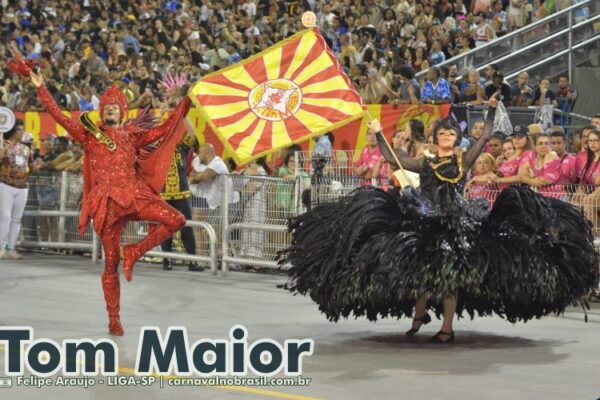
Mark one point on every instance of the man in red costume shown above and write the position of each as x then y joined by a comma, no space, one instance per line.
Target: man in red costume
119,184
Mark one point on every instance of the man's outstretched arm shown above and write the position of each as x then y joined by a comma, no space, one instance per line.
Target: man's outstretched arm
73,127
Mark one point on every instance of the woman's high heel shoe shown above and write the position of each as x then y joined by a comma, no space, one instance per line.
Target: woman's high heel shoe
424,320
437,337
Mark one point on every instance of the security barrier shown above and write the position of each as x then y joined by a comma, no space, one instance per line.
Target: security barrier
248,225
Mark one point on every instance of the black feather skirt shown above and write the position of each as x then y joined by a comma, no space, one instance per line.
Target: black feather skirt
373,253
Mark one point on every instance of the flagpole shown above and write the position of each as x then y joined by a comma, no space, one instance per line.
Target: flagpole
391,150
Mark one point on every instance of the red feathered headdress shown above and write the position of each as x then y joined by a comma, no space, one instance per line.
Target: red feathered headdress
113,95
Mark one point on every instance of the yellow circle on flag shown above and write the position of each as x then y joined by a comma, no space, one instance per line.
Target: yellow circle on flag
275,100
309,19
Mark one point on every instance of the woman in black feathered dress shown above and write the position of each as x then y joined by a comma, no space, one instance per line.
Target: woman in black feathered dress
383,254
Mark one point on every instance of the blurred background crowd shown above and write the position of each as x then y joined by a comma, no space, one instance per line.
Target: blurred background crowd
86,45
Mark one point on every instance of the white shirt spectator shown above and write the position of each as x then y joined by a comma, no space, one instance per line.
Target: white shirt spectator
211,190
252,31
250,8
204,13
96,102
58,48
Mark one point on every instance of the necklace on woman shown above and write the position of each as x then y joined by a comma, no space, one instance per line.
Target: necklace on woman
459,164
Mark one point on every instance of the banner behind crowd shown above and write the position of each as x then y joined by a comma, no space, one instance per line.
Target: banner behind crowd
349,137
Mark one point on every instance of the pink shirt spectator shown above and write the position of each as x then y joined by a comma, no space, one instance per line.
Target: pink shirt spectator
580,160
551,171
369,158
568,169
589,177
511,168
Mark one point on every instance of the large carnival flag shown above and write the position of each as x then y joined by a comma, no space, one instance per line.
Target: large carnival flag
286,94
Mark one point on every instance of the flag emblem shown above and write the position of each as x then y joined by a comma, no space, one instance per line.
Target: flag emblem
275,100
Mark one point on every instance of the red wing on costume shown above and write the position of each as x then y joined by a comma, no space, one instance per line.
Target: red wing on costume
154,166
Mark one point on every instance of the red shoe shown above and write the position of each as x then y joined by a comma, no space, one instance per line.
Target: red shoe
114,326
112,297
130,255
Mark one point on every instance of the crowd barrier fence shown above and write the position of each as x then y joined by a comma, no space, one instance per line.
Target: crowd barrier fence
249,224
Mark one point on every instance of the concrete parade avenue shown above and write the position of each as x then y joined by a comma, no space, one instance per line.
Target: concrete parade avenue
60,297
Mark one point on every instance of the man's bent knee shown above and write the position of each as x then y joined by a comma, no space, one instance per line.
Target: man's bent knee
177,223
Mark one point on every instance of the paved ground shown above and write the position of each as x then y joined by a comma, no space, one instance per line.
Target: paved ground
61,297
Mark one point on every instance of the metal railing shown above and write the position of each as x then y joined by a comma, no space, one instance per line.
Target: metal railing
569,51
511,44
525,116
254,229
212,259
241,234
227,259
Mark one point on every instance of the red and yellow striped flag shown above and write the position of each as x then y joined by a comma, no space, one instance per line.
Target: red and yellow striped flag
286,94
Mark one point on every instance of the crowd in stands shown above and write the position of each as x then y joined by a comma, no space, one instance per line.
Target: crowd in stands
83,46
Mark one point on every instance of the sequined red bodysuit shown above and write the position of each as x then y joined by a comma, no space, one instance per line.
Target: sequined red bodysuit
118,187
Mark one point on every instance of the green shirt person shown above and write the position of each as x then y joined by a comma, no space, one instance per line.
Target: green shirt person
285,190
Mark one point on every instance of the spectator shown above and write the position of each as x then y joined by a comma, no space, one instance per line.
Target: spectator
436,90
484,32
494,145
481,185
517,14
415,130
490,70
400,140
421,63
76,164
231,165
254,209
576,142
582,157
566,96
322,150
437,56
323,147
508,150
522,94
205,185
464,44
543,94
72,157
286,190
453,81
542,169
87,100
14,171
596,121
406,86
368,159
589,179
509,167
499,18
568,170
476,131
498,85
176,192
61,154
472,92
